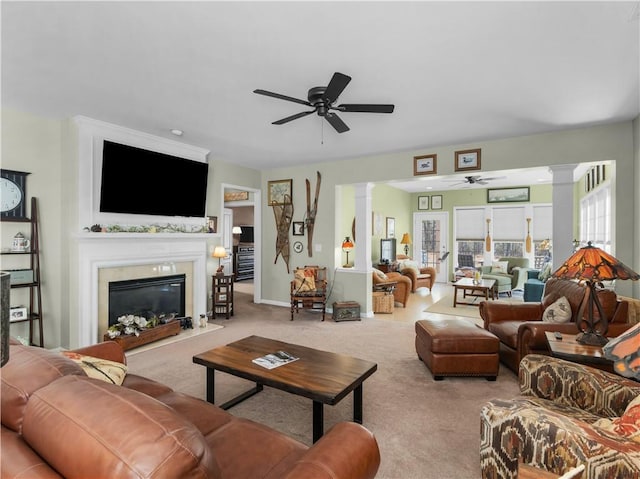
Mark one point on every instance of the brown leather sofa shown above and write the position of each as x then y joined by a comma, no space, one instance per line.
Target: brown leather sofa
401,285
57,422
520,328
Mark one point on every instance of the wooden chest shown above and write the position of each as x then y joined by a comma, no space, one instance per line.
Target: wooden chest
346,311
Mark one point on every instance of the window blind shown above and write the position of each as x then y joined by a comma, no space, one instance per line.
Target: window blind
509,224
470,224
542,222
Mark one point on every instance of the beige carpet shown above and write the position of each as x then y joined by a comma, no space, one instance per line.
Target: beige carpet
426,429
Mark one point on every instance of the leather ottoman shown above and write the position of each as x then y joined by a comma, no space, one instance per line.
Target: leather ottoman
457,347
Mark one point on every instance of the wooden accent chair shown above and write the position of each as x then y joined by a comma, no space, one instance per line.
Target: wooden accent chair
309,289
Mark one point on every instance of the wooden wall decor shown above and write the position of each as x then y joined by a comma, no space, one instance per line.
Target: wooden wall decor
312,211
283,214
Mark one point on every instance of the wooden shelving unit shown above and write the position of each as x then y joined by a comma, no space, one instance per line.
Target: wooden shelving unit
34,314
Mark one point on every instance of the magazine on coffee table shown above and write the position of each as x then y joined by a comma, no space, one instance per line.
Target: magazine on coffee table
274,360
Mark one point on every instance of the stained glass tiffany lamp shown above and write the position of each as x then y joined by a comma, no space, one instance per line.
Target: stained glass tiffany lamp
593,266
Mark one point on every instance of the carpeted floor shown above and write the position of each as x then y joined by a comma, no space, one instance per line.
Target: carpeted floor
425,428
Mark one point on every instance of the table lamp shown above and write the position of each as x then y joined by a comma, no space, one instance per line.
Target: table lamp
347,245
406,241
219,252
593,266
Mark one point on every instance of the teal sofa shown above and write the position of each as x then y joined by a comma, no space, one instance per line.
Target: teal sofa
514,278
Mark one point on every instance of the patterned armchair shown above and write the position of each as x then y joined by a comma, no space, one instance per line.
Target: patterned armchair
567,415
309,289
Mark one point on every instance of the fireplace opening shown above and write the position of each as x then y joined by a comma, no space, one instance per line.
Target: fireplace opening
147,297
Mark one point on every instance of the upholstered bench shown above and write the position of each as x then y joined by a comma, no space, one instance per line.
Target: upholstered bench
457,347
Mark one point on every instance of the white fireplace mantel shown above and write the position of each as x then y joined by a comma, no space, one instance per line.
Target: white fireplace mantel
104,250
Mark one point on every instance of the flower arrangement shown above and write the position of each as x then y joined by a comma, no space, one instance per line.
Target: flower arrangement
130,324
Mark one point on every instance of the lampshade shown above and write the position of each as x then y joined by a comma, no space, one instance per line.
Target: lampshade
236,230
406,239
624,351
219,252
592,265
347,244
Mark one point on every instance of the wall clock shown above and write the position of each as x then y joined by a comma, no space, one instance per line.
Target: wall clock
13,197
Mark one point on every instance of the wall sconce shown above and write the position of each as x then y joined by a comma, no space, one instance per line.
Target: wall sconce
219,252
406,241
347,245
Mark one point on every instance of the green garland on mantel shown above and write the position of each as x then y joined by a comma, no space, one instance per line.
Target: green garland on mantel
154,228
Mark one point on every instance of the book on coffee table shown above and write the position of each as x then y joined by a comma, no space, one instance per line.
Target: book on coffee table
274,360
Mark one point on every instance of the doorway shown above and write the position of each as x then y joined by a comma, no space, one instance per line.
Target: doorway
430,240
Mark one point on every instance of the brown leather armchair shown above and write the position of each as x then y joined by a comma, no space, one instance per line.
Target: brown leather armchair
520,328
420,277
401,285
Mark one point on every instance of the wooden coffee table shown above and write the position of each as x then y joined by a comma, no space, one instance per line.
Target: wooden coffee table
571,350
484,289
323,377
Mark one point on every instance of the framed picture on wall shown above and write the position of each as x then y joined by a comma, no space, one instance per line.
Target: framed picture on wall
425,165
391,227
212,224
423,202
467,160
298,228
436,202
279,192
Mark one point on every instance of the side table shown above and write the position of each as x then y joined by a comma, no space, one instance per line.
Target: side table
387,267
222,291
571,350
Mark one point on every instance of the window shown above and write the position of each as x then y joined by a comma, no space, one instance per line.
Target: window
595,216
509,231
469,232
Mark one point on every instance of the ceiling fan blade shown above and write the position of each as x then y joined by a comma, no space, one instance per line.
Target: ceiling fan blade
281,97
494,178
293,117
336,122
338,83
366,108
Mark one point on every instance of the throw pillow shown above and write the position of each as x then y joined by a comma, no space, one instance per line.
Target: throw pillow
558,312
500,267
409,265
108,371
545,272
380,275
305,280
628,425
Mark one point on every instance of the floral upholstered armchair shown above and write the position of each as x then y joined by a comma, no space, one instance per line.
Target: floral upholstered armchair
568,414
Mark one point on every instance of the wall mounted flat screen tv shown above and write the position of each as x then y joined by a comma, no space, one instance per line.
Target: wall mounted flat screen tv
143,182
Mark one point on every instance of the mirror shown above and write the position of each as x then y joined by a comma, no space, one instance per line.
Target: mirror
387,250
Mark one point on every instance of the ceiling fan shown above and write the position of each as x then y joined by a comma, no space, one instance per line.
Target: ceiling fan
475,180
322,99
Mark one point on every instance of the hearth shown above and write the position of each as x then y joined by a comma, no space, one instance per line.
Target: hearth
159,297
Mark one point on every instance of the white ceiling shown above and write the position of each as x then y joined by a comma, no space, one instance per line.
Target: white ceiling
457,72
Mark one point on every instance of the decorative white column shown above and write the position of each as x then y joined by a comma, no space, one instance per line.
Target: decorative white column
563,207
362,258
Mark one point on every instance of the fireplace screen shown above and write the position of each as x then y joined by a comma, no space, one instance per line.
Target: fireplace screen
147,297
